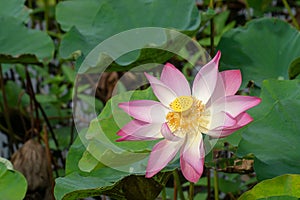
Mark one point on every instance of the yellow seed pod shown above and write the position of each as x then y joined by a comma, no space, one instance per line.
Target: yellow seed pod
182,103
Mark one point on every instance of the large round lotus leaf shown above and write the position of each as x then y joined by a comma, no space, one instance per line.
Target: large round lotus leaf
263,49
104,180
22,45
13,184
14,8
274,137
285,187
114,16
90,22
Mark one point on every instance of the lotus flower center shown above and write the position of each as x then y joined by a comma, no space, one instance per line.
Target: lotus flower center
182,103
188,115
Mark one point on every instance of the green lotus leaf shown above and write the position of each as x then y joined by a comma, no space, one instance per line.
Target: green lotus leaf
22,45
285,187
274,136
13,185
99,20
102,180
14,8
263,49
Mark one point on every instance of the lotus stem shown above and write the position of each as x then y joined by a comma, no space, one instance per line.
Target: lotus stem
191,191
178,184
216,185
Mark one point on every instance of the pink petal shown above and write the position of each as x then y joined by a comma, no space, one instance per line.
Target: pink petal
232,80
138,130
192,157
145,110
164,94
242,120
221,120
175,80
221,133
167,133
189,172
205,81
235,104
219,91
162,153
227,84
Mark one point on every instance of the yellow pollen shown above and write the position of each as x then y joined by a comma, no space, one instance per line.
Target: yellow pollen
182,103
188,115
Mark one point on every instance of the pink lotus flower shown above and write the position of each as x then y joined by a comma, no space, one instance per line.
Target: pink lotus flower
184,114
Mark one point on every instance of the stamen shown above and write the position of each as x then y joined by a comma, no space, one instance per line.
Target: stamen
189,115
182,103
173,119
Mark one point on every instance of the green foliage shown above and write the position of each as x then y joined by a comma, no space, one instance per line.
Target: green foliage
16,96
44,38
231,184
36,48
103,180
273,138
131,187
294,69
18,43
96,155
15,9
282,187
259,6
13,184
220,27
263,49
113,17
